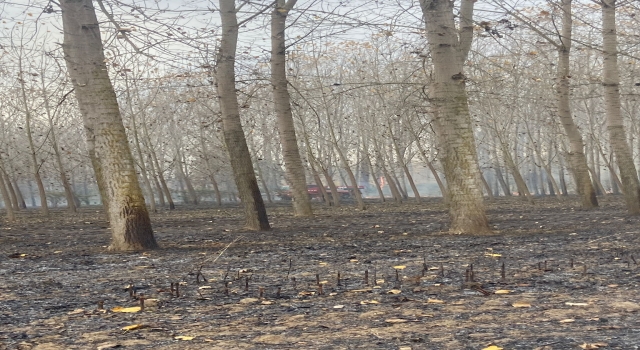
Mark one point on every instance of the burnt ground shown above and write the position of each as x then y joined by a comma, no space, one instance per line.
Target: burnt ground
571,276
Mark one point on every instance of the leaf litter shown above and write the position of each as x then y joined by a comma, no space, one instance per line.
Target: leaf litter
263,289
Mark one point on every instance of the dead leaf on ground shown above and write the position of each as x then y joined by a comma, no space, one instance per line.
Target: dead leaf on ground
132,327
396,320
502,291
248,300
492,347
75,312
588,346
576,304
126,309
567,320
435,301
394,291
521,304
360,290
400,267
183,337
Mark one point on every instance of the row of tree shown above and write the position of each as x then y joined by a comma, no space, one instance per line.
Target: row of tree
486,104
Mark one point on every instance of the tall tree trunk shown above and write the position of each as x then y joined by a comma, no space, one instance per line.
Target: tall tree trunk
44,208
563,183
152,174
191,192
136,142
503,183
452,121
210,171
128,215
282,102
154,160
521,185
367,158
245,177
68,191
19,196
6,198
486,185
403,165
575,156
13,198
615,123
335,196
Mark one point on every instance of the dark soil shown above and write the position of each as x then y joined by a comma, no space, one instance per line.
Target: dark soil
572,277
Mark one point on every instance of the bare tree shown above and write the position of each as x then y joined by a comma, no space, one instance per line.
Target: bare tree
615,123
282,103
449,50
239,155
128,215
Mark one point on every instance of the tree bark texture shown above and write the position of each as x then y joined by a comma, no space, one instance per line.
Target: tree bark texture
452,121
615,123
282,102
8,206
44,208
239,155
83,51
576,156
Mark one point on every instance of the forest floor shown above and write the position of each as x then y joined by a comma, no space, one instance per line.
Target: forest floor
570,280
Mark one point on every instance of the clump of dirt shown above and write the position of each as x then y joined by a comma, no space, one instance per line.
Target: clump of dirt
552,277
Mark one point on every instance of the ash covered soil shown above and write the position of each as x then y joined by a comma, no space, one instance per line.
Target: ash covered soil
570,280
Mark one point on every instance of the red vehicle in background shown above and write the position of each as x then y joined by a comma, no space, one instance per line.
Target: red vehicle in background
314,192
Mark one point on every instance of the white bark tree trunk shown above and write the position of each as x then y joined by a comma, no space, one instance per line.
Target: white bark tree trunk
452,122
83,51
615,123
575,156
248,190
282,101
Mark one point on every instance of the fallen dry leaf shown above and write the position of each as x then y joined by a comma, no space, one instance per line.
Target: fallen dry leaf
395,320
400,267
183,337
132,327
75,312
492,347
521,304
588,346
502,291
567,320
126,309
435,301
576,304
338,306
248,300
365,302
394,291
